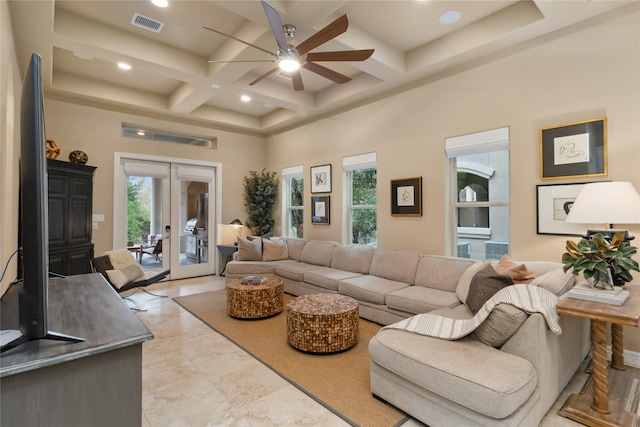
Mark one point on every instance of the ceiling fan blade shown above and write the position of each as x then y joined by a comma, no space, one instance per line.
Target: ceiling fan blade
297,80
276,26
241,41
264,76
327,73
343,55
249,60
332,30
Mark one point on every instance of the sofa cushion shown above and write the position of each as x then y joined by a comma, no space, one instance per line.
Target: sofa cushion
249,250
369,288
556,281
441,272
484,285
462,290
501,324
518,272
355,258
124,275
253,268
275,250
295,247
328,278
418,299
466,371
293,270
318,253
396,265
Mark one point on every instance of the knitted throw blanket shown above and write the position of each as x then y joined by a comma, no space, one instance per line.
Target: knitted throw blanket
530,299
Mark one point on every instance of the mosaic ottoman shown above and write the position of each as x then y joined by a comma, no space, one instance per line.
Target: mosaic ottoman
254,301
322,323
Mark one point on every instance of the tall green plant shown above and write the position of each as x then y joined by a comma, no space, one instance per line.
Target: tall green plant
260,195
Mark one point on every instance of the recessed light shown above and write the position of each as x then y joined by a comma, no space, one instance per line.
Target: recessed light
245,98
215,85
449,17
160,3
124,66
141,133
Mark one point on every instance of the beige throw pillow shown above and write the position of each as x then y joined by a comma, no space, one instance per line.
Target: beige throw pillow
556,281
249,250
274,250
122,276
501,324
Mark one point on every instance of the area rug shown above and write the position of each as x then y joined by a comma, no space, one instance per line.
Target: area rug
338,381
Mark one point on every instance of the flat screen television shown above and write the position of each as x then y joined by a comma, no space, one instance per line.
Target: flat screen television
34,221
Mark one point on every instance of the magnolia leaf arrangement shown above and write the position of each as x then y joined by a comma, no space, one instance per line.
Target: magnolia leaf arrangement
260,195
595,256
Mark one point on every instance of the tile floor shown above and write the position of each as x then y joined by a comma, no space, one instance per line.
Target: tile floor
192,376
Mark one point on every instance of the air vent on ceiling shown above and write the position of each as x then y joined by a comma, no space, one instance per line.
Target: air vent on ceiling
146,23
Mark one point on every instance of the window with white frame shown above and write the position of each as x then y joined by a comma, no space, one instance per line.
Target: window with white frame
293,201
361,198
480,193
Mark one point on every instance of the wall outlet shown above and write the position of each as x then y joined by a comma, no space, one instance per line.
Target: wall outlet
97,218
94,225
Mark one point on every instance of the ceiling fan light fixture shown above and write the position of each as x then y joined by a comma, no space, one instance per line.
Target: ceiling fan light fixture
289,65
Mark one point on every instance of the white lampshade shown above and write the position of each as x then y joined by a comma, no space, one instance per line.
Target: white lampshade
606,203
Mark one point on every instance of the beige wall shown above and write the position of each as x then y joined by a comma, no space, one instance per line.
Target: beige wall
98,133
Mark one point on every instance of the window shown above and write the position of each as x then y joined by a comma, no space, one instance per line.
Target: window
293,201
362,198
480,193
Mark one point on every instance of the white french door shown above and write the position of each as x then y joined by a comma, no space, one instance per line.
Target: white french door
172,200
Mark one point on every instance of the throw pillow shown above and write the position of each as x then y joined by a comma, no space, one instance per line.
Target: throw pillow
484,285
120,258
274,250
249,250
501,324
518,272
462,290
122,276
555,281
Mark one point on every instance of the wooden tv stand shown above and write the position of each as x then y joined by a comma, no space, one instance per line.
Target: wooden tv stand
97,382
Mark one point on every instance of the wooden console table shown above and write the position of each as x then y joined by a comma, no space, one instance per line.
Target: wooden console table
593,407
97,382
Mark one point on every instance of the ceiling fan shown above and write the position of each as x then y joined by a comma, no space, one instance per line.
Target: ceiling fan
290,58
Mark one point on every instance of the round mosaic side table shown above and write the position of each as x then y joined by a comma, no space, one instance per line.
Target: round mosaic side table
323,323
254,301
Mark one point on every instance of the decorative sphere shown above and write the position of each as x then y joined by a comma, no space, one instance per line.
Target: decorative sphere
78,157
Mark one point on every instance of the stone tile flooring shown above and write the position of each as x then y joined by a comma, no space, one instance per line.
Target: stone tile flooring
192,376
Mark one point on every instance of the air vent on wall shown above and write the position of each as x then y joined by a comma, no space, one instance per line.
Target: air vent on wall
131,130
146,23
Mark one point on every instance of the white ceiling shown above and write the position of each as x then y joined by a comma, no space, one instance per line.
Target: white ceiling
171,76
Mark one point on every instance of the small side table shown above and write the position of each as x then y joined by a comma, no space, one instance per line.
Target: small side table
226,252
595,409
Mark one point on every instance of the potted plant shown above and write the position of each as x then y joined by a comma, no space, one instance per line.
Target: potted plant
260,195
603,262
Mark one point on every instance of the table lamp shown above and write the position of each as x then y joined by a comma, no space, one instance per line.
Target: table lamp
606,203
238,225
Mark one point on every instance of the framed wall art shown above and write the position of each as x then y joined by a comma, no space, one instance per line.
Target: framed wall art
554,202
321,210
574,150
321,179
406,197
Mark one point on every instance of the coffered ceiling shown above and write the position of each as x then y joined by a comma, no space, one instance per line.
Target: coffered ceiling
81,42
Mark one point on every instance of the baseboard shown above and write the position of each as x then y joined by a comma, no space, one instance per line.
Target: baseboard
631,358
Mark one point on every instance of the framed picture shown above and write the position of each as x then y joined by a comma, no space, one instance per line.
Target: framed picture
554,202
321,179
574,150
406,197
320,209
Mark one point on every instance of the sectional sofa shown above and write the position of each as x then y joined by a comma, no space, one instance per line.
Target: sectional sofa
508,372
